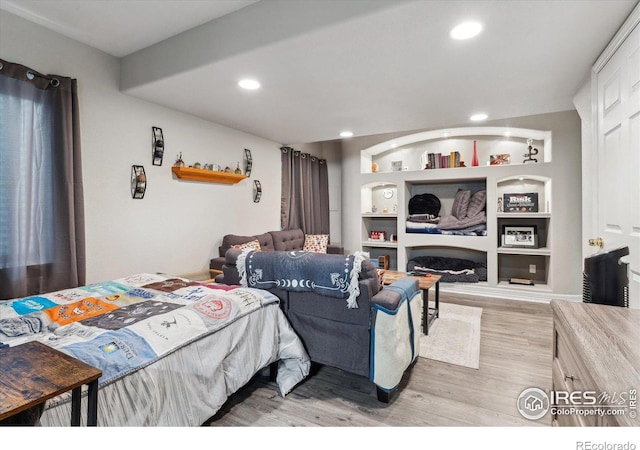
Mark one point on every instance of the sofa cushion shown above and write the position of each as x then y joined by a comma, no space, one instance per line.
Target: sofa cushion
265,240
217,263
287,240
316,243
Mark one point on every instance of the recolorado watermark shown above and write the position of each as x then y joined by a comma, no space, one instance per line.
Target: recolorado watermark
534,403
588,445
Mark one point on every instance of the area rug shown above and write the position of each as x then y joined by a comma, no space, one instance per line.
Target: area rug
454,337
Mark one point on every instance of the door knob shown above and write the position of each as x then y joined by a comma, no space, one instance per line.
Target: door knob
596,242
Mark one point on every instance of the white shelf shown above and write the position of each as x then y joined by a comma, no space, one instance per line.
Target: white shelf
478,243
380,244
380,215
531,215
542,251
523,287
502,262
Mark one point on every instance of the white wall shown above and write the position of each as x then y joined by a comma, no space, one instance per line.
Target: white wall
178,226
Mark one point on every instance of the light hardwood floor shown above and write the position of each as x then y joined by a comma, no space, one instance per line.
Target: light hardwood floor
515,353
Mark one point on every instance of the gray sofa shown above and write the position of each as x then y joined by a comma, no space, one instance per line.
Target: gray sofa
378,339
283,240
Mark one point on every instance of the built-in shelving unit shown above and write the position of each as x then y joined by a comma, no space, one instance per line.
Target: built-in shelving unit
384,211
210,176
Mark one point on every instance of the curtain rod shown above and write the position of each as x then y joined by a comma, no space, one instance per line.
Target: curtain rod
30,75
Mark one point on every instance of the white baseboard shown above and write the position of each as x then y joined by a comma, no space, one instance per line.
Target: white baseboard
521,293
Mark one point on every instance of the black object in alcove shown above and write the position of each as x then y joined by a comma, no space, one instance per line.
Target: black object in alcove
606,278
424,204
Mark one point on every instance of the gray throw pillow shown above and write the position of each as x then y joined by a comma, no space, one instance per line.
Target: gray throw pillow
461,204
477,203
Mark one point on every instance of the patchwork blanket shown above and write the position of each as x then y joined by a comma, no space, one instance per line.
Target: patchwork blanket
123,325
325,274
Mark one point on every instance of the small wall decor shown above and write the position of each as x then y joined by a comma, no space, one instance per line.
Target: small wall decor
257,191
531,152
474,161
138,182
500,159
521,202
248,162
520,236
179,162
157,147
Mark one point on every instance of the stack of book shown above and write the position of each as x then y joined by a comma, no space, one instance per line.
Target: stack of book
440,161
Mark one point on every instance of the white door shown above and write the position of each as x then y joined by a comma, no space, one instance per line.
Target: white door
616,219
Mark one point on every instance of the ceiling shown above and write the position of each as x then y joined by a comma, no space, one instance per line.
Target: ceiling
368,66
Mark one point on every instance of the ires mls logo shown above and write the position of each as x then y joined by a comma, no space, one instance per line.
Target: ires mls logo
534,403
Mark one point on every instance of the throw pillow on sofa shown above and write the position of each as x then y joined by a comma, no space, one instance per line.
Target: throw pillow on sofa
316,243
253,245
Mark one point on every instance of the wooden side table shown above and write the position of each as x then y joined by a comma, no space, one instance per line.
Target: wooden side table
32,373
424,283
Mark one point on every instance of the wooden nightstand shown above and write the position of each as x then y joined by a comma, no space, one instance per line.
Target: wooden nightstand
32,373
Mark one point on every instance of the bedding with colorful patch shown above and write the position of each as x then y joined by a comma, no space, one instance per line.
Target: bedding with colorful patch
125,326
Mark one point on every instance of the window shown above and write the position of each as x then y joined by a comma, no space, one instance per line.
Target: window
41,202
26,186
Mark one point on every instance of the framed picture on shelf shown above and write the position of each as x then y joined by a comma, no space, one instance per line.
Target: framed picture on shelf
521,202
499,159
377,236
525,236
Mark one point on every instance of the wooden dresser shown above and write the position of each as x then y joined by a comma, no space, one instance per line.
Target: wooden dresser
596,349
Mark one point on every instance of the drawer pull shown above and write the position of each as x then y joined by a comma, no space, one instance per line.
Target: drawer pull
570,377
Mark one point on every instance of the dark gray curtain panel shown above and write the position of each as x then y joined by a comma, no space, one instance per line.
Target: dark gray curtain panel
305,192
42,243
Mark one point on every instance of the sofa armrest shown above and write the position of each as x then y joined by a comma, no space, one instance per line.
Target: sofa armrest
390,297
217,263
231,256
335,249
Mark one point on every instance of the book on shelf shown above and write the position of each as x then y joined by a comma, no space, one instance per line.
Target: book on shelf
440,161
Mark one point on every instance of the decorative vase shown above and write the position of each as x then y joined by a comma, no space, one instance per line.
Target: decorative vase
474,161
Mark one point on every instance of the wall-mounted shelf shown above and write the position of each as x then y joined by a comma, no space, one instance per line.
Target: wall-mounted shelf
188,173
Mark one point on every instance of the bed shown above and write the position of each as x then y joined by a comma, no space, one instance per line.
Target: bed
171,350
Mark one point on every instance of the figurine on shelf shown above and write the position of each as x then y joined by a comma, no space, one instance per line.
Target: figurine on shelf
179,162
238,171
529,156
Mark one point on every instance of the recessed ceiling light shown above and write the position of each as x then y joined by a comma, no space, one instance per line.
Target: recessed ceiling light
346,134
478,117
249,84
466,30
